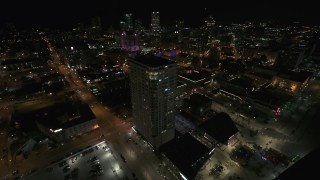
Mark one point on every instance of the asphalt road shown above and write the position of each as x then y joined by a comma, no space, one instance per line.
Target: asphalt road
140,159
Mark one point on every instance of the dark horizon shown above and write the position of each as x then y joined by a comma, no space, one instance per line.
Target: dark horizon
61,15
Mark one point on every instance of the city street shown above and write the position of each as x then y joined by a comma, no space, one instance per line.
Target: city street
85,166
140,159
272,135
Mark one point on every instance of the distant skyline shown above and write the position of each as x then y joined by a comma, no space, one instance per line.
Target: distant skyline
65,15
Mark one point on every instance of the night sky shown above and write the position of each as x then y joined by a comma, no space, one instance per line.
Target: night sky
67,14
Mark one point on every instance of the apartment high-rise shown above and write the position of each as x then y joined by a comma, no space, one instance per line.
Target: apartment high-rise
123,26
138,26
210,24
128,21
130,41
96,23
155,23
153,83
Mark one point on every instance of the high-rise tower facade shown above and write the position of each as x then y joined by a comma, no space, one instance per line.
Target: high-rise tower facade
210,23
153,84
155,23
138,26
128,21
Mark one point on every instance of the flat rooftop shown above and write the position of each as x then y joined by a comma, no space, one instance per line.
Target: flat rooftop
270,97
199,99
267,72
242,82
194,75
220,127
64,121
185,152
53,114
152,61
300,76
19,61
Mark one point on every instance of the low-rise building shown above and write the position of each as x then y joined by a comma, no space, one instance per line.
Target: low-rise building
184,155
194,79
64,128
181,93
291,81
130,41
198,105
220,127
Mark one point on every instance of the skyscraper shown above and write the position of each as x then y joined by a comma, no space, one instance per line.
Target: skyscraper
155,23
96,27
128,21
138,26
130,41
123,26
153,83
96,23
210,23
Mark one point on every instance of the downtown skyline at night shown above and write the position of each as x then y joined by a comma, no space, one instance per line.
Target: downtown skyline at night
159,90
67,14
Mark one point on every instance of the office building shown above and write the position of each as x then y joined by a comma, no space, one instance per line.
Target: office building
128,21
74,121
96,23
138,26
210,23
122,26
155,23
153,84
130,41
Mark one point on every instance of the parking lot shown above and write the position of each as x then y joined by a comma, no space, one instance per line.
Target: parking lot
94,162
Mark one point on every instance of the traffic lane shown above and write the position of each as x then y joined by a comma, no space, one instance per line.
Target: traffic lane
106,120
102,115
139,160
83,162
134,154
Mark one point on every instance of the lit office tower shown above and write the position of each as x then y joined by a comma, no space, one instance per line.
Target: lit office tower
138,26
123,26
96,23
128,21
210,22
210,25
179,26
96,27
153,82
155,23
